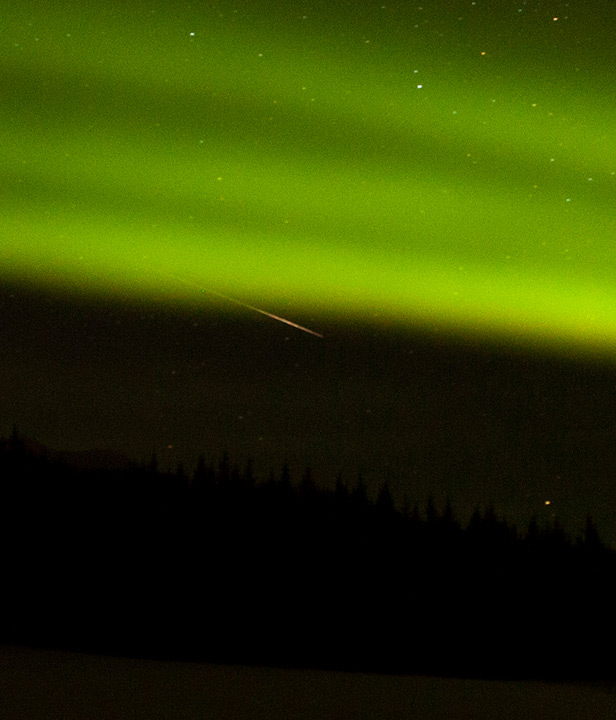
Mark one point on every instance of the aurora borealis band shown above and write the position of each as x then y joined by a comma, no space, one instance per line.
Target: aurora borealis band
447,165
429,186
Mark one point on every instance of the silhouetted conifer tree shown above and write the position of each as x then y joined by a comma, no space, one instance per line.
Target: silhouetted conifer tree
153,466
154,566
384,501
474,523
307,486
591,541
224,470
16,444
359,494
449,528
556,537
285,486
532,533
405,509
204,476
181,476
235,479
341,492
285,475
431,513
248,476
447,516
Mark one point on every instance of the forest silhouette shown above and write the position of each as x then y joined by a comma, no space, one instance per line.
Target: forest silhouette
219,565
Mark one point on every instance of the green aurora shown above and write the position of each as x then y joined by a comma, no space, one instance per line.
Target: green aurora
447,167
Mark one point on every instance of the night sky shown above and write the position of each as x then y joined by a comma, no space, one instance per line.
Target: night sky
428,185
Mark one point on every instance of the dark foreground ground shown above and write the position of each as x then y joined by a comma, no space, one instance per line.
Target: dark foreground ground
37,684
220,568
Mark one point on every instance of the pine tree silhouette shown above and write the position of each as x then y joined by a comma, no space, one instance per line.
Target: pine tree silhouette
230,568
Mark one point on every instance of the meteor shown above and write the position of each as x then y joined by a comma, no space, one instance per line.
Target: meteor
263,312
295,325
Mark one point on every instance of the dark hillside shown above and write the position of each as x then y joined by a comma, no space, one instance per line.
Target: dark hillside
222,567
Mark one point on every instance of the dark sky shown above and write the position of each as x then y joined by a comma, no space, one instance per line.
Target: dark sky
425,412
430,186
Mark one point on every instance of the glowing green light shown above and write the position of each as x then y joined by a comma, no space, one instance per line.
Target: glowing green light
284,163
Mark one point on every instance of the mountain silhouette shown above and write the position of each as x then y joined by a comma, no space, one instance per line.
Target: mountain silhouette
91,459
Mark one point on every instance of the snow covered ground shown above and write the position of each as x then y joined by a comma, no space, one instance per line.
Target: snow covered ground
36,684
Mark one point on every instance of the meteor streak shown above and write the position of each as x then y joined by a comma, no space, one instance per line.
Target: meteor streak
252,307
263,312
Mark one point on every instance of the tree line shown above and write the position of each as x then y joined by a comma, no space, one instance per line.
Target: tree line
220,565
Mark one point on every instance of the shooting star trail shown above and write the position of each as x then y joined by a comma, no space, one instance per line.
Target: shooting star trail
263,312
295,325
